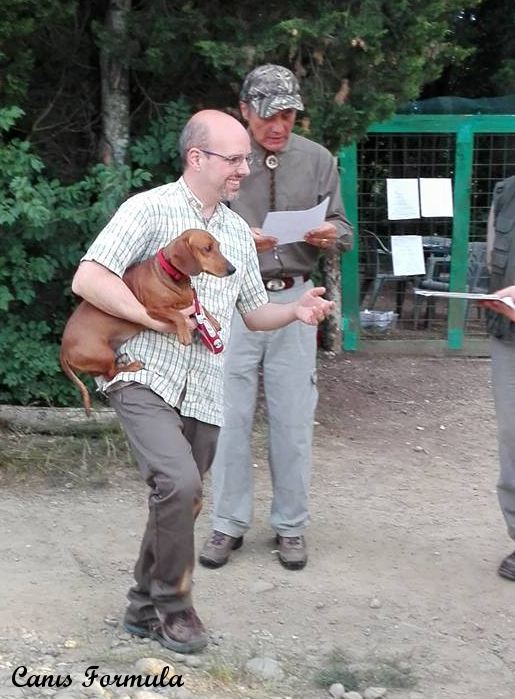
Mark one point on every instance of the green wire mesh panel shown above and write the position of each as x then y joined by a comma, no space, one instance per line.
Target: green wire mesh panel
388,307
474,151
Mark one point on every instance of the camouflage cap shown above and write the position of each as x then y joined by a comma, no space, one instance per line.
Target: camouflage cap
269,89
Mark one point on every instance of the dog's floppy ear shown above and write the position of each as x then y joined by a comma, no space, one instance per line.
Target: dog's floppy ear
182,257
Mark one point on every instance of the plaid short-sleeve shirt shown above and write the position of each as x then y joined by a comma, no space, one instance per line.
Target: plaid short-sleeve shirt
142,225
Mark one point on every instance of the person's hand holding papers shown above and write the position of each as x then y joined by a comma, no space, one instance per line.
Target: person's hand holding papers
322,237
506,304
263,242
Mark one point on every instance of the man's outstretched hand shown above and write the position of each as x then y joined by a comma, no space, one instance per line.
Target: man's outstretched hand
311,308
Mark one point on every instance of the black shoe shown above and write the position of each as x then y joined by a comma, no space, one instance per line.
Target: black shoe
143,629
507,567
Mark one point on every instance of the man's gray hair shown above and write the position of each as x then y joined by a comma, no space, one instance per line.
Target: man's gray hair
194,135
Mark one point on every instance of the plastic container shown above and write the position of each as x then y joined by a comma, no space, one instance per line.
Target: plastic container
378,320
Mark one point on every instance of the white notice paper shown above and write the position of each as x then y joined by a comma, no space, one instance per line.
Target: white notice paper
436,196
292,226
407,255
402,198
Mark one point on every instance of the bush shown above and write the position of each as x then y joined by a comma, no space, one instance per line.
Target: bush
46,226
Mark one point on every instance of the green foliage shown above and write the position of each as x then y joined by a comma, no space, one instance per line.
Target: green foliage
158,148
357,61
19,21
486,32
45,227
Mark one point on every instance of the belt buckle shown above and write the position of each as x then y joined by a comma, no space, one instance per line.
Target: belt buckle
275,284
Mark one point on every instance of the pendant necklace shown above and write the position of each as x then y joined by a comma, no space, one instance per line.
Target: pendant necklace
272,162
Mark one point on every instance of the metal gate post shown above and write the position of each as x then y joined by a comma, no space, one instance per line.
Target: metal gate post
460,234
350,260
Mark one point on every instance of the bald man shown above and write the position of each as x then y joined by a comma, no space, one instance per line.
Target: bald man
171,410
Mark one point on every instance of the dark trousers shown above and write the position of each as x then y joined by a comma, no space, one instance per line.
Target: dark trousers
173,453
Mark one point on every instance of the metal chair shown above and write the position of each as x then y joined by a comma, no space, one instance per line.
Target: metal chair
377,269
437,278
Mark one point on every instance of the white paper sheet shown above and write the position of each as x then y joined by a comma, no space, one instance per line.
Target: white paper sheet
407,255
292,226
436,196
470,295
402,198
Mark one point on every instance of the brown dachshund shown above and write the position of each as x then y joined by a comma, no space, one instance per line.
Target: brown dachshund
162,284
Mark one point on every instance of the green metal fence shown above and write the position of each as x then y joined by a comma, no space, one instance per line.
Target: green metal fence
475,151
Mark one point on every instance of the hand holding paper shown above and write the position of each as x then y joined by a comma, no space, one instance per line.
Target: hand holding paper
323,237
292,226
503,302
263,242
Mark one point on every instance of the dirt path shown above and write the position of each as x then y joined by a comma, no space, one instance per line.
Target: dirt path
404,543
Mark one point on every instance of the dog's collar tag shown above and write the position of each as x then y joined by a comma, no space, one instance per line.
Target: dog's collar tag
170,269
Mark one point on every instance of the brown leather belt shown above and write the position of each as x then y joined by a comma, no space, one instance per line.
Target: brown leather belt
282,283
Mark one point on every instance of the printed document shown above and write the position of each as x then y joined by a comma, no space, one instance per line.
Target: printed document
292,226
402,198
407,255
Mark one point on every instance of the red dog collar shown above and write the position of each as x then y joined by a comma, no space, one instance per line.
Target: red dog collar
170,269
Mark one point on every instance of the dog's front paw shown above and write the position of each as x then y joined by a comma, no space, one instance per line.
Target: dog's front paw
184,336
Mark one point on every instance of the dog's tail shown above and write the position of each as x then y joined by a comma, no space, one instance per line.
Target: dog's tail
75,379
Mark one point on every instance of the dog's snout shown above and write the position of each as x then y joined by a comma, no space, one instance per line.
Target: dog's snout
231,269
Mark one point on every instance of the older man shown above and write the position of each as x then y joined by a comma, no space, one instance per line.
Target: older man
289,172
172,408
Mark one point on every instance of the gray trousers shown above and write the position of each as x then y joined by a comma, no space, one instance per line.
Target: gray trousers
173,454
503,380
288,358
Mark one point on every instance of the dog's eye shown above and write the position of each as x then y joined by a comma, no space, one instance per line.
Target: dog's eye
208,248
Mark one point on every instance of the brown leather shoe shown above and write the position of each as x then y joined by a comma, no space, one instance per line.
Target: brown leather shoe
292,551
143,629
182,632
217,549
507,567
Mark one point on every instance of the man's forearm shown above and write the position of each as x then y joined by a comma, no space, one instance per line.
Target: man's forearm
102,288
270,316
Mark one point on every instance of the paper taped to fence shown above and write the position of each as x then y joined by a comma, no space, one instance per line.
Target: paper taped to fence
407,255
436,196
402,198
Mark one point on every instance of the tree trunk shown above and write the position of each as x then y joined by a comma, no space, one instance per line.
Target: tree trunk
115,84
331,329
62,421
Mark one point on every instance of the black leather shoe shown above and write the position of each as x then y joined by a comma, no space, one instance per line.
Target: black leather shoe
507,567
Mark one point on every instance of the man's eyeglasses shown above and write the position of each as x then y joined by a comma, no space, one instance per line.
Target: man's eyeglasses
232,160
